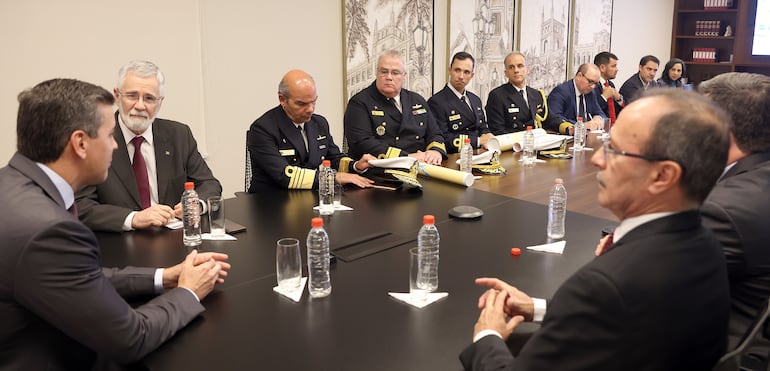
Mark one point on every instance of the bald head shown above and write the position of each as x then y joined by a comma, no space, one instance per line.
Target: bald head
297,95
587,77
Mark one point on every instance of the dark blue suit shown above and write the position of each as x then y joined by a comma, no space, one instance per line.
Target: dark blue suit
374,125
278,155
456,119
563,104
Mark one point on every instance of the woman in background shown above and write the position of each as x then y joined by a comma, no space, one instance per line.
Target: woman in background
672,74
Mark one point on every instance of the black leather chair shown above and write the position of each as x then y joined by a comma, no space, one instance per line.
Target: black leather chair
744,356
247,172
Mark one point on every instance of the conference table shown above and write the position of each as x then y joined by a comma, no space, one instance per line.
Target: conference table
359,326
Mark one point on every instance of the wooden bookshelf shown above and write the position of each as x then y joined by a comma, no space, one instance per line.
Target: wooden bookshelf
733,52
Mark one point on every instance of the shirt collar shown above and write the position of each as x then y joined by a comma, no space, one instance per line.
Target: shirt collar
64,188
629,224
457,93
129,135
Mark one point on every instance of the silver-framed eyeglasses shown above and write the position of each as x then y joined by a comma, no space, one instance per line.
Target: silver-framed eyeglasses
608,150
148,99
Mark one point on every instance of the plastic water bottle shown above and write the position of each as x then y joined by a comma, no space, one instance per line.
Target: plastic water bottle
557,209
325,188
318,260
428,241
466,156
529,147
191,215
580,135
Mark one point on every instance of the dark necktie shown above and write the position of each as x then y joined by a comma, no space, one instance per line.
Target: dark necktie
524,96
74,210
582,108
396,103
610,106
140,172
301,129
466,103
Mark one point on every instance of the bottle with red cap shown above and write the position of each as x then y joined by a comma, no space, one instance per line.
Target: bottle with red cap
320,284
326,188
428,241
466,156
191,216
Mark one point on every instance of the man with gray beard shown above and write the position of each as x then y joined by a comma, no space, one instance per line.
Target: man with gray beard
144,186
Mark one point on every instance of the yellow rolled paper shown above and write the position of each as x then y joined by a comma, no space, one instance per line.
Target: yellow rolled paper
443,173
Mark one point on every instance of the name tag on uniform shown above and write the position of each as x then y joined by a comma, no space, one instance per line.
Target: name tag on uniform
378,113
419,111
454,117
287,152
321,137
513,109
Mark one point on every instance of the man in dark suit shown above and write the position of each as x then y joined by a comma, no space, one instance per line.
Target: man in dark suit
655,299
457,110
737,207
143,186
289,142
641,81
605,89
577,98
60,309
513,106
388,121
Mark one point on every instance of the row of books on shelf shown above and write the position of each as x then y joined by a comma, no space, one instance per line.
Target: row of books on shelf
708,55
708,28
717,4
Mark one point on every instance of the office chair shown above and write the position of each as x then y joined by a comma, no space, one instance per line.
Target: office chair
739,359
247,172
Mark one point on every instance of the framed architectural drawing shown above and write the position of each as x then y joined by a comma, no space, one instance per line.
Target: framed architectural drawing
483,28
591,32
542,35
373,26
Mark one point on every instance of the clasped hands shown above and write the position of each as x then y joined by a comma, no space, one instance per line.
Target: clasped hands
503,307
199,272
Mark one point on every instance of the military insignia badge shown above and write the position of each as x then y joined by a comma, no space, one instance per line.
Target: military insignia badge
381,130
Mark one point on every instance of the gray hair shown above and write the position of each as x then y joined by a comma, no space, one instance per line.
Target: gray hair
283,86
52,110
692,132
746,98
392,53
511,54
143,69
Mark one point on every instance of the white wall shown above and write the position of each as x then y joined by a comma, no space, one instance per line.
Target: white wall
223,58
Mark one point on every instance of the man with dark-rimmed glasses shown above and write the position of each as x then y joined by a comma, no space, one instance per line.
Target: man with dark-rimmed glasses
155,157
576,98
663,270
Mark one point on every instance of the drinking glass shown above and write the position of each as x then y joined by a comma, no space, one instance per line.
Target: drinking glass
288,265
217,216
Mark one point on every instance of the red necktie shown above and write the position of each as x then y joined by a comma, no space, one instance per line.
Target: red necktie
610,105
140,172
607,243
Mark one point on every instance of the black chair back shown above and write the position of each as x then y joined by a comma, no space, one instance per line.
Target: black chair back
744,356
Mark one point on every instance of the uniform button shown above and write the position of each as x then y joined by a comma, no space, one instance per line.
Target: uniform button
416,137
396,138
420,123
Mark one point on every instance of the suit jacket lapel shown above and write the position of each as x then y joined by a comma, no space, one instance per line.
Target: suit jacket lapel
573,99
164,153
312,143
533,97
33,172
289,130
121,165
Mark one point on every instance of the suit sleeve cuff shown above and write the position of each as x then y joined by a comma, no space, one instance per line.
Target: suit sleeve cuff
540,307
485,333
193,294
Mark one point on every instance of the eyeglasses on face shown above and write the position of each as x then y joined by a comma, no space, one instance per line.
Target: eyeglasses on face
394,73
589,81
148,99
608,150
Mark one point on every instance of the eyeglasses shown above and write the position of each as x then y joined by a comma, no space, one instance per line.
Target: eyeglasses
394,73
590,82
148,99
608,150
